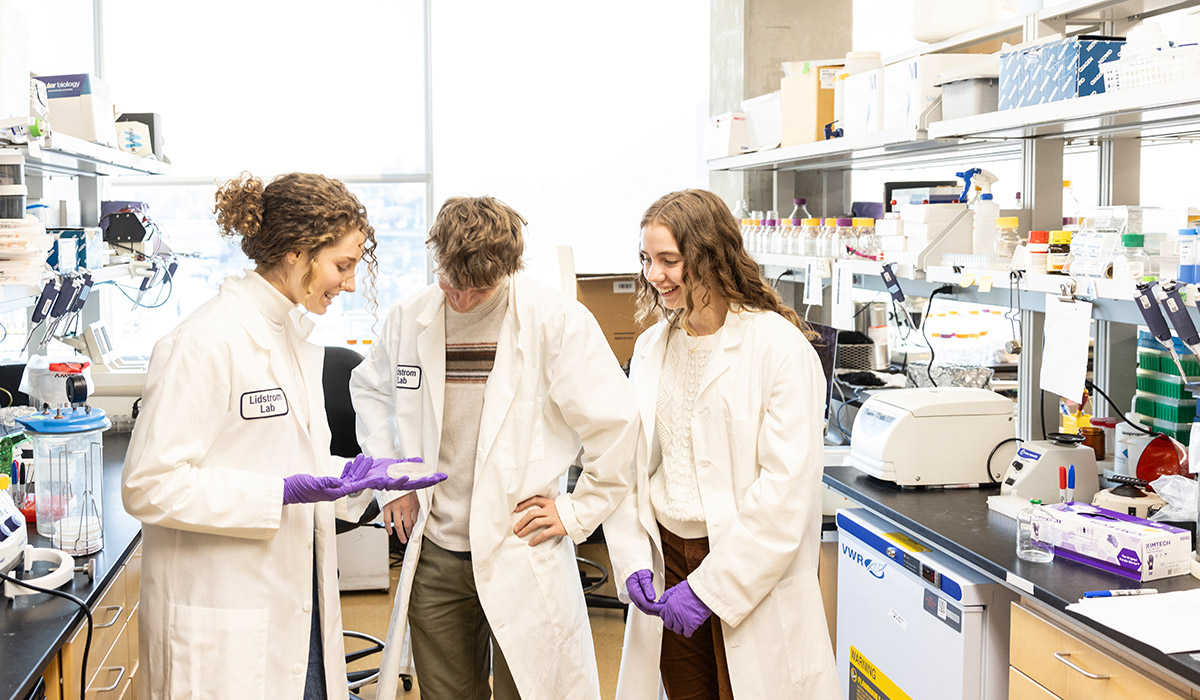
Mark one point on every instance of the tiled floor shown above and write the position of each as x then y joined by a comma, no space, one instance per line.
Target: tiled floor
369,612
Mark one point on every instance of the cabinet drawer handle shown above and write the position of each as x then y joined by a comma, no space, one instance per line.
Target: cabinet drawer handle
1062,656
120,676
116,616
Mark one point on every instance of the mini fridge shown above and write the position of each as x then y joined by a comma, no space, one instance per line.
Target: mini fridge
913,623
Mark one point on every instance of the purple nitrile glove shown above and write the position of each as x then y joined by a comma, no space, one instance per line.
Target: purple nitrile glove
640,585
364,467
306,488
386,483
364,472
682,612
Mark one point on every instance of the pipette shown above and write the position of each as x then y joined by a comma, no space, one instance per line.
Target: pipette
1147,303
41,309
66,297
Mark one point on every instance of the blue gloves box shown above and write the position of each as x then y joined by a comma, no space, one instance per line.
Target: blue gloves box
1055,70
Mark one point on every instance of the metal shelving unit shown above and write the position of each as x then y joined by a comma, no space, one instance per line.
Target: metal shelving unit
1113,124
67,155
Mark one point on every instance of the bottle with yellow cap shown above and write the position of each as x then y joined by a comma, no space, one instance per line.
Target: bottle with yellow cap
806,242
1060,250
1007,240
866,245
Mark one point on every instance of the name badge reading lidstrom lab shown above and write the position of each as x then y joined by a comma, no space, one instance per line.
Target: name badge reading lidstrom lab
267,403
408,377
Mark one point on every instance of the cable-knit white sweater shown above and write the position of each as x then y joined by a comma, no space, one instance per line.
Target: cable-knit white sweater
674,489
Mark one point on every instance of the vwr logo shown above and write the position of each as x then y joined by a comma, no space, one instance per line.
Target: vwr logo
876,568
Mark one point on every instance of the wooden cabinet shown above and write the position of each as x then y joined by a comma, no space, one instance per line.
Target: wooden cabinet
1049,662
113,655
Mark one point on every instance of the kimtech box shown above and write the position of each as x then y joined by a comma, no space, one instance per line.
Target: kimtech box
1055,70
1128,546
81,106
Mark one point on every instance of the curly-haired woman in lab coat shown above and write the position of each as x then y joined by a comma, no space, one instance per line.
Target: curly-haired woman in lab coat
723,514
229,468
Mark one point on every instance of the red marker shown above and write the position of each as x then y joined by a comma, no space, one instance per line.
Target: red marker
1062,484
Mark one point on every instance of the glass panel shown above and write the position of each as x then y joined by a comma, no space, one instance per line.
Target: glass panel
61,38
184,212
270,87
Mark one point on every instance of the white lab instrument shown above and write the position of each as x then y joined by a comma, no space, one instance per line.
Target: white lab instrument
15,549
1034,473
932,436
913,622
117,380
68,456
1128,497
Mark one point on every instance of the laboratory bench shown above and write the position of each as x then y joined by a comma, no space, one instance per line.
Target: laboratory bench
35,628
958,521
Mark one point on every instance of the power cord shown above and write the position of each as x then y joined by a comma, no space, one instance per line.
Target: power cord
82,606
1121,414
944,289
991,454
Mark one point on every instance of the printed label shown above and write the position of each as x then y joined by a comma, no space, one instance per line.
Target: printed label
940,608
867,682
408,377
906,542
267,403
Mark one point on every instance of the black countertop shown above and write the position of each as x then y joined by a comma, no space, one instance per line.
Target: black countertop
959,522
34,627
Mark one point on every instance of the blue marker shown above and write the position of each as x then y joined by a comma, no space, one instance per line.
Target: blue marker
1119,592
1071,484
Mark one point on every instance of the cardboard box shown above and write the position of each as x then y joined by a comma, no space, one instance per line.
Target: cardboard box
1128,546
863,111
610,299
1055,70
726,135
911,86
81,106
806,101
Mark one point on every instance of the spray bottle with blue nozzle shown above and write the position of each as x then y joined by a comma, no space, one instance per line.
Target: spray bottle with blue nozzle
985,208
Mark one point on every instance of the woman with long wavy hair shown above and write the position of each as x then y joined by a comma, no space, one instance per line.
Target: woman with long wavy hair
723,513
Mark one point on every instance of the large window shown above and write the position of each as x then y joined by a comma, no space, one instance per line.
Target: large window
271,88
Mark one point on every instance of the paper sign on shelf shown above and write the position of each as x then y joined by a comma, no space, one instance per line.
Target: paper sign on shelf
967,280
843,299
985,283
812,282
1065,351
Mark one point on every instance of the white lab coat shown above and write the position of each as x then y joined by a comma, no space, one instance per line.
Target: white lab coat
758,451
555,385
226,592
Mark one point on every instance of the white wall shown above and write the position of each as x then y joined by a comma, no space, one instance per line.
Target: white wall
578,115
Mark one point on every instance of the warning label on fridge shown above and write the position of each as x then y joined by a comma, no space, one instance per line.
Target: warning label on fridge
869,683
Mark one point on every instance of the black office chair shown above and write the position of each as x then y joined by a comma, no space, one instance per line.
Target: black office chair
335,379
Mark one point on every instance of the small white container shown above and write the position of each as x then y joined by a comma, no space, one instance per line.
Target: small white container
12,201
12,168
763,120
970,96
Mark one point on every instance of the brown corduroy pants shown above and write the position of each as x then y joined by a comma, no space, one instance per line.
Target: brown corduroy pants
695,668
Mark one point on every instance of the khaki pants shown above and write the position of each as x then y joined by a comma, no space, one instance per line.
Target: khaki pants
692,668
450,634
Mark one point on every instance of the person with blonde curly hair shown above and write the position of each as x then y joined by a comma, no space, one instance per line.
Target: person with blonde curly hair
229,467
499,381
723,512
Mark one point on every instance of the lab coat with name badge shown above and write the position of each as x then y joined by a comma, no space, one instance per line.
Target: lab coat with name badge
227,584
757,440
554,385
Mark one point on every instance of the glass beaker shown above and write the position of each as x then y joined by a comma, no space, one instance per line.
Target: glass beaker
68,458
